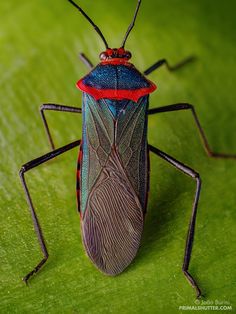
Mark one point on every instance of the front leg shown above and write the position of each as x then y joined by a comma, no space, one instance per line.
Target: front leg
171,68
86,61
55,107
191,230
186,106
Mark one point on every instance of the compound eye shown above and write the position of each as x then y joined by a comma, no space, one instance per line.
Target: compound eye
103,56
109,52
121,52
128,55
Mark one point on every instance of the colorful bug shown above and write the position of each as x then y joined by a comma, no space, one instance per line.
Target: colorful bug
113,164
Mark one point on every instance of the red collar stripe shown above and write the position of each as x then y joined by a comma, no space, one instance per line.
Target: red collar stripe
116,93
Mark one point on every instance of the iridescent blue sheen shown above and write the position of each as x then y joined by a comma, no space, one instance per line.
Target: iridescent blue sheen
115,106
110,76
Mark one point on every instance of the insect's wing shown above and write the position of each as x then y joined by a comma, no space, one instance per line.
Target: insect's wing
113,221
111,206
131,142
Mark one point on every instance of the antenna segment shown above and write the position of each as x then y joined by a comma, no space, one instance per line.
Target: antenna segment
97,29
132,24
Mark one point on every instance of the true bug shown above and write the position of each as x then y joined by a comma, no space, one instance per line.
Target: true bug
113,164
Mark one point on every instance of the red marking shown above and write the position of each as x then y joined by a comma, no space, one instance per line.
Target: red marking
121,51
109,52
78,175
116,93
117,61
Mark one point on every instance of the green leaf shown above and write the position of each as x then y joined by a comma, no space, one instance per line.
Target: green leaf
40,41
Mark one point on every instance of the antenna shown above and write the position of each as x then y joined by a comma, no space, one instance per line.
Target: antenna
91,22
132,23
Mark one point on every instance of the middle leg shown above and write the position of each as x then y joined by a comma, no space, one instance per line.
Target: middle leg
38,230
186,106
171,68
55,107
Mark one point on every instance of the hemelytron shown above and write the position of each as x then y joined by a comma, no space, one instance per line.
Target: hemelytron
113,163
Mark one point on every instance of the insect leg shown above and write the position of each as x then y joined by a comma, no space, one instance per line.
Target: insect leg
190,235
29,165
186,106
161,62
86,61
55,107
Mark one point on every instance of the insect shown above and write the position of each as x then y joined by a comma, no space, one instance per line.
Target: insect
113,163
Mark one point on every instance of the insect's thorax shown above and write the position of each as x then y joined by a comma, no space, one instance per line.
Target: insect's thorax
116,81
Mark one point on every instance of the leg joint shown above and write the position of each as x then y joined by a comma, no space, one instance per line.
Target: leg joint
191,106
41,108
197,176
46,256
187,106
44,107
22,171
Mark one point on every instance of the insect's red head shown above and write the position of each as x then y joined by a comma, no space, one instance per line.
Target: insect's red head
120,54
115,53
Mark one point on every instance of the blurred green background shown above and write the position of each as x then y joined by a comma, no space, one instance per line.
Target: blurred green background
40,41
